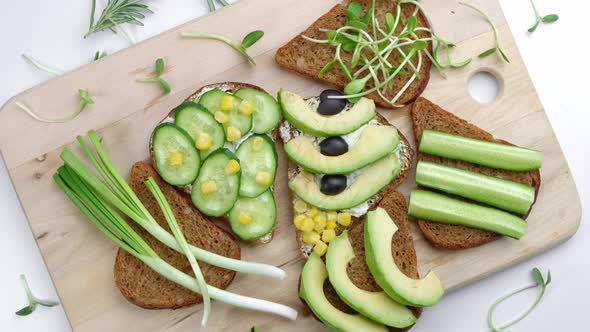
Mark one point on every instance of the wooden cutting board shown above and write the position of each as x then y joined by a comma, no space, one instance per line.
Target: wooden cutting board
80,259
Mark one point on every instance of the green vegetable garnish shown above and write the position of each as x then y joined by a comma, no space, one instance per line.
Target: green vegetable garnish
85,100
550,18
102,194
372,47
249,40
540,281
157,77
115,13
49,70
99,55
33,301
211,4
496,47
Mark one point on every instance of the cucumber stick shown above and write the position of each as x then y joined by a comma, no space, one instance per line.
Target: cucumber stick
430,206
490,154
175,156
504,194
259,161
196,120
252,218
214,191
267,112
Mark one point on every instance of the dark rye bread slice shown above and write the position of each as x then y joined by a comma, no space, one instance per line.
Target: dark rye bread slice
230,87
427,115
402,249
406,160
144,287
308,58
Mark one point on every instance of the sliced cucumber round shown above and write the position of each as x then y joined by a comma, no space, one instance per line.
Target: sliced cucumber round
214,191
252,218
257,154
175,156
212,101
195,119
267,113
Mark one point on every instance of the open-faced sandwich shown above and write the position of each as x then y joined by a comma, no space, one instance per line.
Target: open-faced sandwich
474,187
345,161
219,147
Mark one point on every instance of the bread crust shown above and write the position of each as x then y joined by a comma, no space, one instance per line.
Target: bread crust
299,56
231,87
142,286
427,115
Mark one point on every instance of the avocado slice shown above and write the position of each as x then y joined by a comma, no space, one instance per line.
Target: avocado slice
301,116
375,305
311,290
379,230
375,142
370,180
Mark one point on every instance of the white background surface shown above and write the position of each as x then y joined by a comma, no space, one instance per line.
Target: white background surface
556,57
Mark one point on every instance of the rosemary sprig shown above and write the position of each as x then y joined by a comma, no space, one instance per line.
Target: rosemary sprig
115,13
496,47
157,77
550,18
33,301
540,282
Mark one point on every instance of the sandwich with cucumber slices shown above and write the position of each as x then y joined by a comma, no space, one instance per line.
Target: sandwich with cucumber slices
218,146
343,159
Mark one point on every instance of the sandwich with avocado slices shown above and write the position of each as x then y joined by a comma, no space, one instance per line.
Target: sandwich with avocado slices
343,159
218,146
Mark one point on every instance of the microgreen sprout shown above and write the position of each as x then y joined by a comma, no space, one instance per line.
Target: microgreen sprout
550,18
157,77
248,40
99,55
211,4
85,100
496,47
37,64
539,282
369,65
33,301
115,13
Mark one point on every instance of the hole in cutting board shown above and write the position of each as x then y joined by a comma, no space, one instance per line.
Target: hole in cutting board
484,87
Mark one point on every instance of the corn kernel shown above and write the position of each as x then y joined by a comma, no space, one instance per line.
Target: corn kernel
307,225
331,224
232,167
244,218
257,144
233,134
221,117
344,219
320,223
227,103
203,141
300,206
332,216
175,158
328,235
246,107
208,187
314,212
310,237
320,248
264,178
298,221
